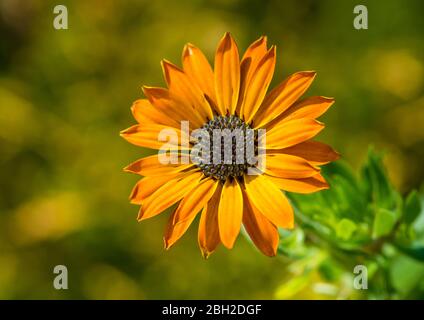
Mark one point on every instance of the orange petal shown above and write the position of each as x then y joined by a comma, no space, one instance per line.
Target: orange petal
312,107
303,185
187,91
288,166
269,200
257,85
146,186
227,75
261,231
208,235
197,67
151,166
282,97
292,132
145,113
249,63
148,136
187,210
230,212
170,193
316,153
170,104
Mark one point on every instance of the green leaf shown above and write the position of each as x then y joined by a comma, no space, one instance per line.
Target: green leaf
384,222
406,274
412,207
350,202
376,182
345,228
342,169
415,251
293,286
291,243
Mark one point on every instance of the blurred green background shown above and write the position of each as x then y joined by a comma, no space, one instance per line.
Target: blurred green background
66,94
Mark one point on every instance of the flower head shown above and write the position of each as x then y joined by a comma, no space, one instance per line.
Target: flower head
221,180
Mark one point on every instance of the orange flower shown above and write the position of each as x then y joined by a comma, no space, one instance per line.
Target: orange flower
232,96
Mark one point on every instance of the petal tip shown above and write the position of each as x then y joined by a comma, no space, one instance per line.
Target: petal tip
308,74
329,99
263,38
272,52
321,124
337,155
227,245
227,39
166,244
143,213
126,132
188,50
271,254
166,64
290,224
205,254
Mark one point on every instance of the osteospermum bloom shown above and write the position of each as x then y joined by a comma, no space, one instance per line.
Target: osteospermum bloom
232,95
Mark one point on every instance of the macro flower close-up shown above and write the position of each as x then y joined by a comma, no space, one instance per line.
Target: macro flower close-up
233,95
205,157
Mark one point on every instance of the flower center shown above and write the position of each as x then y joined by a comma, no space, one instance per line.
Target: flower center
228,145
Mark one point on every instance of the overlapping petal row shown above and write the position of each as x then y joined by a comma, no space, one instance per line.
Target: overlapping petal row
197,93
